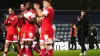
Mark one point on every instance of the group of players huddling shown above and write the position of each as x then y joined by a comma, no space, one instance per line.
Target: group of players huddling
27,20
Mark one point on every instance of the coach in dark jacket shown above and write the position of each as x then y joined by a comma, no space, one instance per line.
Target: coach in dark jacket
83,29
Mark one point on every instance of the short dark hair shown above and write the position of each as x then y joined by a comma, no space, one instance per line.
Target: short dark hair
82,11
36,2
23,4
30,3
12,8
47,1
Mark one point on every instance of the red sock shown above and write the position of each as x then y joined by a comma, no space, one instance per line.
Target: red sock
28,51
21,50
31,51
18,53
50,52
43,52
46,53
36,49
5,53
24,53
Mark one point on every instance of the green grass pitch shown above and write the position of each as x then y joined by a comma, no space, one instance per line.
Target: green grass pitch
63,53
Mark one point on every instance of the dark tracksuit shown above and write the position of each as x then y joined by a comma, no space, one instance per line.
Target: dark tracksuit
83,30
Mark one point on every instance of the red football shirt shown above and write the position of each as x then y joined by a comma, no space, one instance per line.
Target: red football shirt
48,20
11,24
29,15
21,21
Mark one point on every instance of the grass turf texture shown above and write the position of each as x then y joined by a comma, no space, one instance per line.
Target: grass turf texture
63,53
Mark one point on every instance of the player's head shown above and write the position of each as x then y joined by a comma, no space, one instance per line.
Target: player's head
36,4
11,10
22,7
83,13
28,5
46,3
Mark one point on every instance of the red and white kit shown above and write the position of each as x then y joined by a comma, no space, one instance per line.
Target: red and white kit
29,28
11,22
47,31
22,23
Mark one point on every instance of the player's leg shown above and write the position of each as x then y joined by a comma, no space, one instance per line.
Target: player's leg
17,46
35,48
42,45
31,36
49,42
15,41
22,49
7,43
29,42
49,48
30,47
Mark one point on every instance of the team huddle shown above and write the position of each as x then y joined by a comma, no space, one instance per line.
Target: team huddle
26,21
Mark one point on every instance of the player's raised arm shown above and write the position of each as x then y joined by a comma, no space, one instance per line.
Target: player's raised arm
38,18
6,21
39,12
15,21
